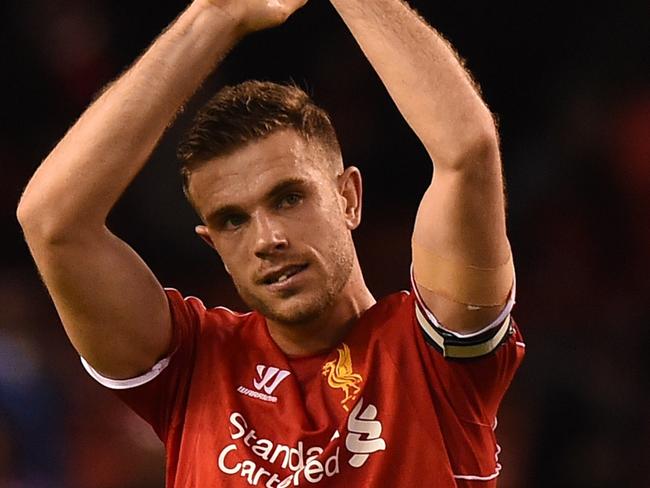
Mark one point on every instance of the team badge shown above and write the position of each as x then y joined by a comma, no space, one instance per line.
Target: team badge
340,375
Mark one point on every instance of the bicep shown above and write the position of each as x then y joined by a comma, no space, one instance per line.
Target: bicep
461,222
112,307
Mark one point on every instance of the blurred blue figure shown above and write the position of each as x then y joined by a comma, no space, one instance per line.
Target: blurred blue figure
31,431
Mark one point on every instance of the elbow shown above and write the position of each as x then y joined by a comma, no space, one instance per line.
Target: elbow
475,152
30,217
26,215
36,227
482,150
47,224
42,225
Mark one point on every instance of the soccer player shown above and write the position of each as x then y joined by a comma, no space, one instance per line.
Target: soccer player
320,384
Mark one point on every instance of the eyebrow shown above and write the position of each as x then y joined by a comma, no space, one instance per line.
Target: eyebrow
279,189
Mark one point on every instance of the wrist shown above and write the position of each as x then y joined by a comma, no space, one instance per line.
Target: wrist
225,14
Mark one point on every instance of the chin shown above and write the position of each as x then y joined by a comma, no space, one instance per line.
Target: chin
294,310
304,304
297,313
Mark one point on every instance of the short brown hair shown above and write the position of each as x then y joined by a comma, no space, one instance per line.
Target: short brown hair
252,110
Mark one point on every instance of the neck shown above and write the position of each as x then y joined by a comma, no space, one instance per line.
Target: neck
329,329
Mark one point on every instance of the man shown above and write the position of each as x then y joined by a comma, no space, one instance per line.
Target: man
320,384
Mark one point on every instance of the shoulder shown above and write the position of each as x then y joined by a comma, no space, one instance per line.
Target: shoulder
191,311
393,304
387,318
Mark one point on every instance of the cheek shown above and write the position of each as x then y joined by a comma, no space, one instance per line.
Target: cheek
229,257
329,236
327,214
334,224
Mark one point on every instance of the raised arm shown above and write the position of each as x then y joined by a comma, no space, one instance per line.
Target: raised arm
111,305
461,252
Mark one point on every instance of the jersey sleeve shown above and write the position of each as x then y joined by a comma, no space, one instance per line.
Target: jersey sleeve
455,345
480,364
159,394
469,374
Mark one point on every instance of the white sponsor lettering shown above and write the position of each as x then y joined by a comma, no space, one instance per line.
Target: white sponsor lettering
313,471
306,464
222,460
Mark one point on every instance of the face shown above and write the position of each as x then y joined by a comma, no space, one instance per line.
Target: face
281,220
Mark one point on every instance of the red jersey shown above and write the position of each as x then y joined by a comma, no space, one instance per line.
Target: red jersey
401,402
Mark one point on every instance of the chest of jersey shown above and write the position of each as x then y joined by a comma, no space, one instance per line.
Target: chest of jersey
363,415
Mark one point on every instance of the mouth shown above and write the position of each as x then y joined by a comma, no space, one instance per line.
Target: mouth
282,275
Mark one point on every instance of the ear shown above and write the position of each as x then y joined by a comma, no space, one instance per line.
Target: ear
202,232
350,194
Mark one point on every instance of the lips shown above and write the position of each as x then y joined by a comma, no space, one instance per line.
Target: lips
281,274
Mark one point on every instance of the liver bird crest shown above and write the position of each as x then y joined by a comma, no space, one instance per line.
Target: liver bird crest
340,375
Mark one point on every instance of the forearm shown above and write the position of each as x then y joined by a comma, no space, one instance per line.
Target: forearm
82,178
424,77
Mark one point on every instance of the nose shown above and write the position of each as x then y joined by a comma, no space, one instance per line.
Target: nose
270,236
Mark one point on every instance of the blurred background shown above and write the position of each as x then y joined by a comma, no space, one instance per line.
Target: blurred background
571,90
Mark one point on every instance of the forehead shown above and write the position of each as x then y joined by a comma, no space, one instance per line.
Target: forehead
242,177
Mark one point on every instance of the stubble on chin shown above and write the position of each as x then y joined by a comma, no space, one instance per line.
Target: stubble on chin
309,308
299,313
302,310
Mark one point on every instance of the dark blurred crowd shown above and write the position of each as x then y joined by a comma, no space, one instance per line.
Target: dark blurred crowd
571,91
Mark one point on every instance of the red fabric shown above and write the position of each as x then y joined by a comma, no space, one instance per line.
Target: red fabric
416,419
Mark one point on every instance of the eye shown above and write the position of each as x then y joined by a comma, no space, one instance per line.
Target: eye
290,200
232,222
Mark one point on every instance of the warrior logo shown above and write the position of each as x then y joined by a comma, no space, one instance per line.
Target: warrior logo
270,378
267,376
340,375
